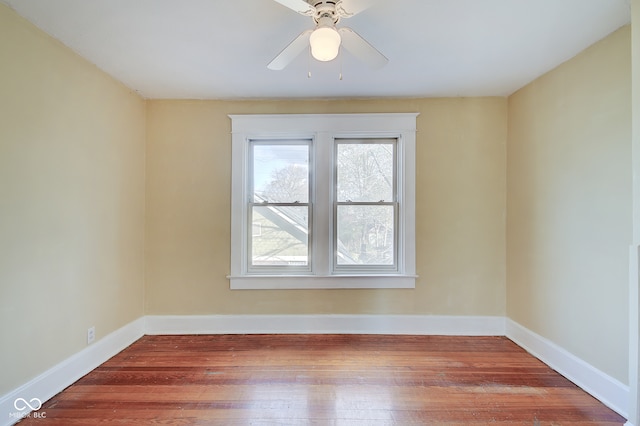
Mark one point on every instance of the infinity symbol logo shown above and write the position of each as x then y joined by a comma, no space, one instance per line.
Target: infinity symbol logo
22,404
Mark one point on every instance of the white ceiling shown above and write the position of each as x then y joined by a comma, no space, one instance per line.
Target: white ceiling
219,49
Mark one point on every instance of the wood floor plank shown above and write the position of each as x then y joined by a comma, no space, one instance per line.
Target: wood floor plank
323,379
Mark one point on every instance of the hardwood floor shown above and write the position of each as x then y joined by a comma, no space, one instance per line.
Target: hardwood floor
323,379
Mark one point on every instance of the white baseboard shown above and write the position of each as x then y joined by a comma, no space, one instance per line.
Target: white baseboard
603,387
327,324
60,376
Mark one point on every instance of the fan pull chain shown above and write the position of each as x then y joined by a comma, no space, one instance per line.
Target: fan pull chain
340,55
309,63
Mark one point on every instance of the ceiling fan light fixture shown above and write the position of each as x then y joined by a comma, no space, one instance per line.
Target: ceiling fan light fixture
324,40
325,43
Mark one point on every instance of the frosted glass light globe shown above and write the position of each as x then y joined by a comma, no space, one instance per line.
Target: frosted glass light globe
325,43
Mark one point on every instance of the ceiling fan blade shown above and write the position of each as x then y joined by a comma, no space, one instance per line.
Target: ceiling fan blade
348,8
290,52
300,6
361,49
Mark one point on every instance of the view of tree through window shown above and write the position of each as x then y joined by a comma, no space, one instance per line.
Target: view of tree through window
280,204
365,202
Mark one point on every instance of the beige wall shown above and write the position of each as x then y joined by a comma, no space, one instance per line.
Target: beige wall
569,205
71,202
461,188
635,58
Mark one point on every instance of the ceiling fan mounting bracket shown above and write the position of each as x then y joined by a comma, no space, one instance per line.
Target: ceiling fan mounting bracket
327,9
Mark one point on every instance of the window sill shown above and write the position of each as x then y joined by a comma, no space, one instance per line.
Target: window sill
306,282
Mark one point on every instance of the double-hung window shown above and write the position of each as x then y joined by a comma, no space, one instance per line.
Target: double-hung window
323,201
365,205
279,194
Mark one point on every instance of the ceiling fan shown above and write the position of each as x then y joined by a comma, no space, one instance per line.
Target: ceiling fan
325,39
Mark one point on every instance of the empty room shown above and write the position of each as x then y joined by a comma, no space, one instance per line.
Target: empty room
319,212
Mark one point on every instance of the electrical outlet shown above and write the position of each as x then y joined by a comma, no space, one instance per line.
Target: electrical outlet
91,335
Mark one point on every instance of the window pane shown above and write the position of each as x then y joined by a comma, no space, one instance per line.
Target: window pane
365,171
365,235
283,238
280,173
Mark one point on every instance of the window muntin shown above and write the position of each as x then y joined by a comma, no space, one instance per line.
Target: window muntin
366,207
280,189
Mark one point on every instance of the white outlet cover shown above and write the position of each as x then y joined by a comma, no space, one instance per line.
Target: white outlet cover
91,335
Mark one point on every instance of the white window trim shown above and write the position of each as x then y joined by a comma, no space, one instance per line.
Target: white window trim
323,128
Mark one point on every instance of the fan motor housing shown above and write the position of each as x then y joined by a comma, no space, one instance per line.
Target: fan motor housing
326,9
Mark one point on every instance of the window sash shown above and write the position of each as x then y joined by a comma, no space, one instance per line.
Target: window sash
364,268
369,141
277,210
